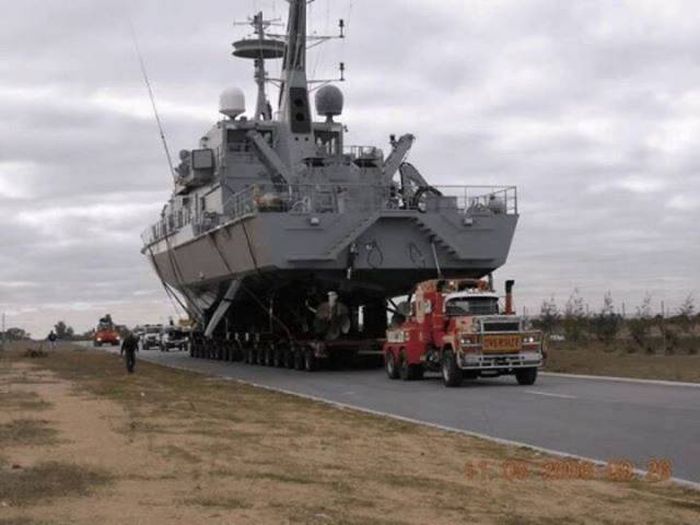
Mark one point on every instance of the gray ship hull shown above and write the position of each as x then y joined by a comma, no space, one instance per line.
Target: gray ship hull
385,253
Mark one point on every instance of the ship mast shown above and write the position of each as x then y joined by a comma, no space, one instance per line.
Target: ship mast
260,48
294,94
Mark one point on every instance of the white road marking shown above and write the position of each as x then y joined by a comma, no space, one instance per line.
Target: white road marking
538,393
623,379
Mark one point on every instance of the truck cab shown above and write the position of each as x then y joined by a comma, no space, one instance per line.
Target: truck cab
106,333
458,328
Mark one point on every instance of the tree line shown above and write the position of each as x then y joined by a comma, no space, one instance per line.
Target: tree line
644,330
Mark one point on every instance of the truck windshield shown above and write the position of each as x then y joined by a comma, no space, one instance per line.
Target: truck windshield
472,306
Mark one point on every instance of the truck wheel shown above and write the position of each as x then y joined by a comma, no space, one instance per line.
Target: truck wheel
408,372
310,361
526,376
392,369
451,373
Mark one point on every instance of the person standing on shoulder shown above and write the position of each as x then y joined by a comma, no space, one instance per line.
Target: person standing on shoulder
130,345
52,339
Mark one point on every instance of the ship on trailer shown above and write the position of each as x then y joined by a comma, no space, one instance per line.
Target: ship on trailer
286,244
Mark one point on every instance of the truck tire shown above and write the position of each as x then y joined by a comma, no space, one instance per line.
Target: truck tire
451,373
390,365
298,359
526,376
409,372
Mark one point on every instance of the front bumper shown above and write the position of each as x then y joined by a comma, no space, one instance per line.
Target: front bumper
469,361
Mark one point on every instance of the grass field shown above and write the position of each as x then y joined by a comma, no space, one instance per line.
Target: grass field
167,446
617,360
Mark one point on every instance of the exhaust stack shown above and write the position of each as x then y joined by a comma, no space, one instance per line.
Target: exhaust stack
509,297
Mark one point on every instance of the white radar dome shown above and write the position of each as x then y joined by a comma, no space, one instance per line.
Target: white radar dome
329,102
232,102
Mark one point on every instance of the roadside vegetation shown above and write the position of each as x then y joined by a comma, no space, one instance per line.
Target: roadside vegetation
169,446
646,344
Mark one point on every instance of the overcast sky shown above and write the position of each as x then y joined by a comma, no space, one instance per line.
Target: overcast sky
592,108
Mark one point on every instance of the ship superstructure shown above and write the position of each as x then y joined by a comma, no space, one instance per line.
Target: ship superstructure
276,224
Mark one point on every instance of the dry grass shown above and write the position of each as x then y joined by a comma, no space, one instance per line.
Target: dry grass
26,432
47,481
597,359
236,454
22,401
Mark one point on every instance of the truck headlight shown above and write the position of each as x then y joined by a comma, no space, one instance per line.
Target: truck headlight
530,339
469,339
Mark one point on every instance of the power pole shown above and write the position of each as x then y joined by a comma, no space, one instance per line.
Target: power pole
2,341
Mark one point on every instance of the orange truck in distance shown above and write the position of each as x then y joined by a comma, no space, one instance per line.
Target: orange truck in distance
106,333
456,327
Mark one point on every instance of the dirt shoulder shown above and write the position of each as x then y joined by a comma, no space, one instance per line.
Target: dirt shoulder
167,446
597,359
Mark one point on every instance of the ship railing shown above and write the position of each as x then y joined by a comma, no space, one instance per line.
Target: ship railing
487,199
302,199
364,152
340,198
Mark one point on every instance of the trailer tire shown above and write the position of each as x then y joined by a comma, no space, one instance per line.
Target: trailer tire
298,359
289,357
451,373
310,361
526,376
390,365
278,357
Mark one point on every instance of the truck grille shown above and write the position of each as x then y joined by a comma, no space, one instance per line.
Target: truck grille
502,326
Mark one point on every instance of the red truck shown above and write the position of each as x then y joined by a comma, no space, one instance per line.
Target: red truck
455,327
106,333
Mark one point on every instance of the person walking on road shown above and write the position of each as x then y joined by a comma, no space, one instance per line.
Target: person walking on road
52,339
130,346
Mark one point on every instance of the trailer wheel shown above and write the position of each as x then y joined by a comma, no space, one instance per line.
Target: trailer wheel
298,359
392,369
278,357
526,376
451,373
289,357
310,361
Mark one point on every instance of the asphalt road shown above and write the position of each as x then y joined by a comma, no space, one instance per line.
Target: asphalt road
604,420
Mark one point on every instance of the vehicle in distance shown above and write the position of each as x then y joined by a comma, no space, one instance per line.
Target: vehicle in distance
106,332
173,338
151,336
455,327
